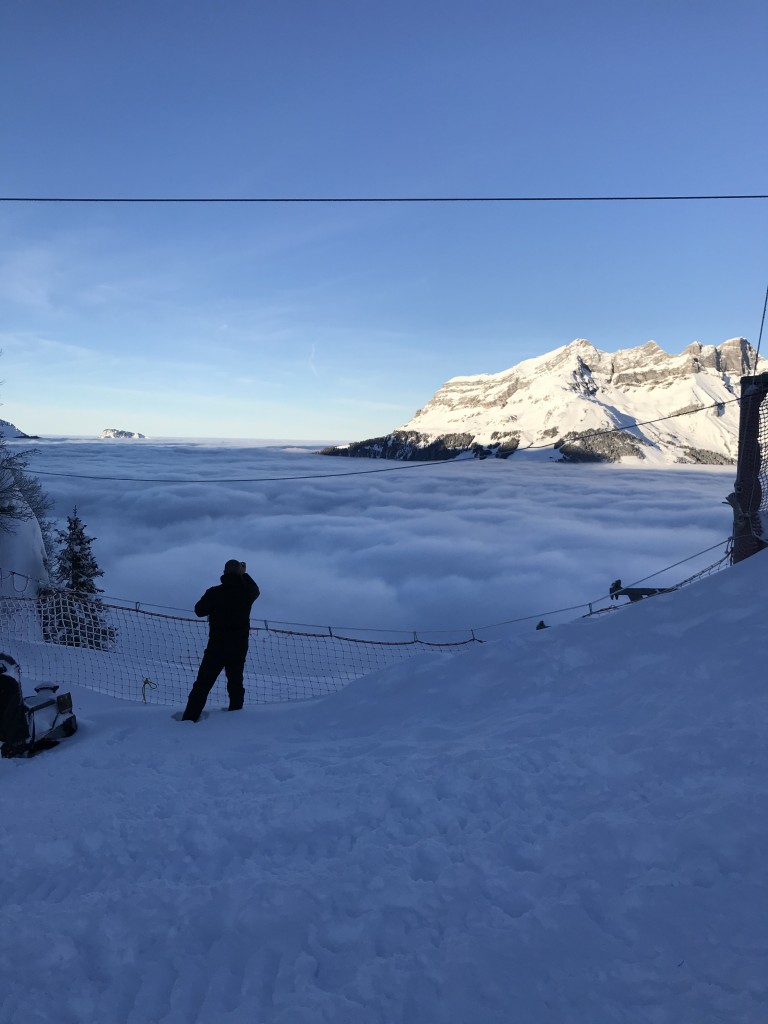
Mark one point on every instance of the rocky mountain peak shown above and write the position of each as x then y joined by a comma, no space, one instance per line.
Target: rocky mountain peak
114,433
580,391
736,356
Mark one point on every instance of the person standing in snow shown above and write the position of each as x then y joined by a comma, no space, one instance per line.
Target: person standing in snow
228,607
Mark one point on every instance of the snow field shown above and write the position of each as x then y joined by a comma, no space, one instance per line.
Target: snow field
568,827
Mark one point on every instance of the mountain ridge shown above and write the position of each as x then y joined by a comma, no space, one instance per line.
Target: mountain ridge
564,398
10,430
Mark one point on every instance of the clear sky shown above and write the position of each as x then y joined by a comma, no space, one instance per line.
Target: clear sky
339,321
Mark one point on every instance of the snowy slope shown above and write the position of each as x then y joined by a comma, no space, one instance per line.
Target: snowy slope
8,429
568,828
22,551
578,389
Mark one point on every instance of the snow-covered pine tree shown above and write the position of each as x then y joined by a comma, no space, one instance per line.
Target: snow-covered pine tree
73,615
75,567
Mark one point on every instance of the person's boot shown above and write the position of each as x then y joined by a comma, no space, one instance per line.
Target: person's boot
189,714
236,697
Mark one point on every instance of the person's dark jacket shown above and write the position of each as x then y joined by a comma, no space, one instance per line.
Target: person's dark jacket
228,607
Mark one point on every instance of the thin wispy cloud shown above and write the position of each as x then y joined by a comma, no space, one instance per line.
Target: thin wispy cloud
311,361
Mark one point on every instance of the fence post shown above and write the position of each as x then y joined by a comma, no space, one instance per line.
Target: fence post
748,491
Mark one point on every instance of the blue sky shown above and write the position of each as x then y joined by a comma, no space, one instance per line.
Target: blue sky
339,321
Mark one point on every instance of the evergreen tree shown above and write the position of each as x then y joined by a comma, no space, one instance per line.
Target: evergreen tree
75,567
73,615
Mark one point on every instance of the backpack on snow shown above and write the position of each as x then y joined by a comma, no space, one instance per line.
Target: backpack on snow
31,724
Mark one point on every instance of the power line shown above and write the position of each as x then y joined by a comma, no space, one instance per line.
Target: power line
378,199
367,472
248,480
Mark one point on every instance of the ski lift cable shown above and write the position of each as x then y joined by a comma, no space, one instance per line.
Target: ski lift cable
366,472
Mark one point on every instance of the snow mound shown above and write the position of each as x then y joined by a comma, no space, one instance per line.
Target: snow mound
570,827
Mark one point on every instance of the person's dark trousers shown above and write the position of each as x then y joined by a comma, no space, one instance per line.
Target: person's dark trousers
231,658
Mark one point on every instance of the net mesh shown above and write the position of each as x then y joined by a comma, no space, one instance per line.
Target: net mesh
146,656
762,470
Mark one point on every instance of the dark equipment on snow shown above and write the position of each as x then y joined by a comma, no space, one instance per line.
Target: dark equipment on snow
31,724
636,593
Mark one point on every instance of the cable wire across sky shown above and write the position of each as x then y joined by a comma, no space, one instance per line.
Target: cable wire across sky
382,199
422,464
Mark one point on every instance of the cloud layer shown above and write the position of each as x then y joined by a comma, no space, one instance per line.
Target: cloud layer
446,547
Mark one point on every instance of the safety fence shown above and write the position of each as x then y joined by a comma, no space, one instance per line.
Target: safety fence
145,656
151,656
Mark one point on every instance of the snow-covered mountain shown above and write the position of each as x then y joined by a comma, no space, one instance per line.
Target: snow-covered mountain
555,399
11,430
114,433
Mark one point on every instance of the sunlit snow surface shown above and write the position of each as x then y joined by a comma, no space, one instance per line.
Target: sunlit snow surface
565,828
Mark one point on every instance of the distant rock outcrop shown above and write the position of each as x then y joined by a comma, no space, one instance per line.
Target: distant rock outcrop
111,432
10,430
582,405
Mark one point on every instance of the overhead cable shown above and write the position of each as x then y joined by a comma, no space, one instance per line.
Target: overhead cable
378,199
630,426
246,480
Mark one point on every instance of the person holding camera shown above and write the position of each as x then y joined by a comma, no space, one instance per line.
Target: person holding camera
228,607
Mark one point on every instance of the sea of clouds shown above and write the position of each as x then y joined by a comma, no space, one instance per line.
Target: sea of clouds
425,547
